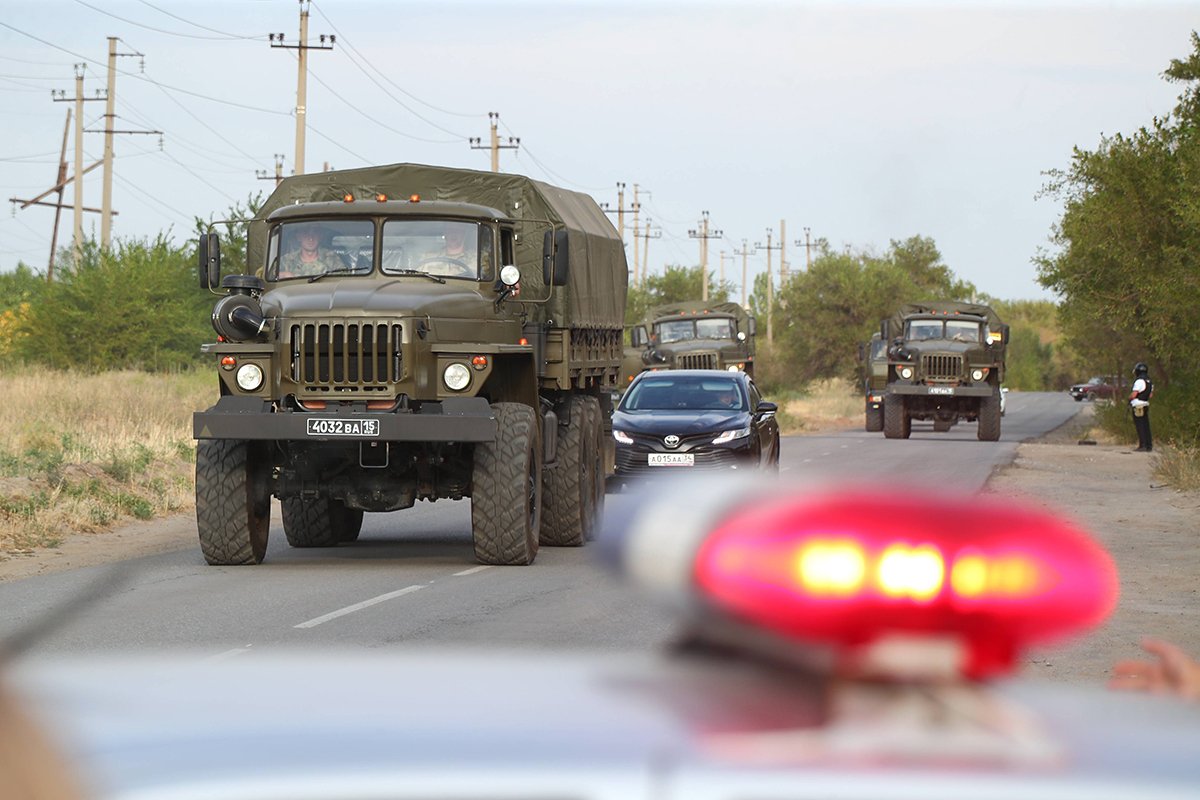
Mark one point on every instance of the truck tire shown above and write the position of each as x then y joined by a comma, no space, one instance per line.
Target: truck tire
989,418
233,502
874,420
506,489
896,422
599,476
320,522
570,500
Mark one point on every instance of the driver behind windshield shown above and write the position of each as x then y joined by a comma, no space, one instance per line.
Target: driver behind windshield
306,254
456,258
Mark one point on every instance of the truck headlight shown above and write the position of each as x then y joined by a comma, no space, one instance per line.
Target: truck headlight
249,377
978,374
733,368
905,372
457,377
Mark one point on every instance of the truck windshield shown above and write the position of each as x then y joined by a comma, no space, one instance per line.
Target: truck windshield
962,331
677,331
448,248
305,248
714,329
924,329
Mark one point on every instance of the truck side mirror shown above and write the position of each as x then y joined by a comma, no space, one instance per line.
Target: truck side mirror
555,258
862,352
638,336
752,326
1004,334
208,251
884,330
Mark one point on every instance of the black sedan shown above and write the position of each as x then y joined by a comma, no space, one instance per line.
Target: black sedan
673,421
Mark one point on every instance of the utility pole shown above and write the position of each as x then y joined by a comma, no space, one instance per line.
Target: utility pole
770,283
106,212
263,175
745,276
620,212
302,77
494,143
650,233
808,246
722,278
59,205
61,97
636,207
704,234
783,265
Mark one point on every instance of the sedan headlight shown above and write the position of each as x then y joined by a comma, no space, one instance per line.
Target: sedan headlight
905,372
622,437
457,377
729,436
249,377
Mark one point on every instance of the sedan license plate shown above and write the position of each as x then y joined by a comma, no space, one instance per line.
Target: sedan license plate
941,390
672,460
343,427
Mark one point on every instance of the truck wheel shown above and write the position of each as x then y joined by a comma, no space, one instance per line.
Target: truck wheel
351,526
874,420
896,422
989,418
313,522
570,484
233,502
506,489
599,478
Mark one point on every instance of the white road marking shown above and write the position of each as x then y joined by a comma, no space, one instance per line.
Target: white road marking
341,612
473,570
237,651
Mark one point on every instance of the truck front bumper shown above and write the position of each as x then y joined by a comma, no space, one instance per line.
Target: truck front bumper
921,390
459,419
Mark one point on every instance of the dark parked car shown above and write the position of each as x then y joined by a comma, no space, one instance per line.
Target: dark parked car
1096,388
684,420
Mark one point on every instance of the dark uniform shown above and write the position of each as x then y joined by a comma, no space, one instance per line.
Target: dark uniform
1139,401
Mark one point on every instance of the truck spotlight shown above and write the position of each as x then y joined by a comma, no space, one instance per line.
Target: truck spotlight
249,377
457,377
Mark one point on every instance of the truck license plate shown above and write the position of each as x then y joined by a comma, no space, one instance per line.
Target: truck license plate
672,460
941,390
343,427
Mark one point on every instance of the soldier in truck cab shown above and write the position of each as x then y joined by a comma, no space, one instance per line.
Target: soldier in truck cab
307,256
456,257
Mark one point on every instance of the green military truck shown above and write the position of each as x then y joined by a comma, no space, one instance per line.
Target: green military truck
945,364
875,372
412,333
696,335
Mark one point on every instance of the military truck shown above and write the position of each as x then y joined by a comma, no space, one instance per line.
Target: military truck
946,364
697,335
402,370
874,375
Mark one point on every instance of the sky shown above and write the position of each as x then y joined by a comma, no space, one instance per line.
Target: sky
862,122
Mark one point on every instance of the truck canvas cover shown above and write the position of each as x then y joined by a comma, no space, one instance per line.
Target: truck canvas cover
944,307
594,296
699,306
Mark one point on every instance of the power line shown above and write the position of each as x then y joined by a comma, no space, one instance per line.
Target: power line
158,30
338,144
198,25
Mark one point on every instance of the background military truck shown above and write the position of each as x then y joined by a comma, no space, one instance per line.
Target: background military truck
697,335
945,363
875,371
403,372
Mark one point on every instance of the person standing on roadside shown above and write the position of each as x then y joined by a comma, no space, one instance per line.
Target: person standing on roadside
1139,400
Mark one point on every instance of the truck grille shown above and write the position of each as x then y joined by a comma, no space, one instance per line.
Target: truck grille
697,361
942,367
346,356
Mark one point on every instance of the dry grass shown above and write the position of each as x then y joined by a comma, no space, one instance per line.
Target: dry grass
1178,467
82,453
823,405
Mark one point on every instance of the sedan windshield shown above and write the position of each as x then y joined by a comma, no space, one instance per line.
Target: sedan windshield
684,394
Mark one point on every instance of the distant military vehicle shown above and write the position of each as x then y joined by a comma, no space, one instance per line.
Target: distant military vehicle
875,372
412,333
697,335
945,363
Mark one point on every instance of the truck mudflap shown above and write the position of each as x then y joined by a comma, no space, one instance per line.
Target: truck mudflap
943,391
456,419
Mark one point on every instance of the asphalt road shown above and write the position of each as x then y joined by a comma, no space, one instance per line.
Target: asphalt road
411,578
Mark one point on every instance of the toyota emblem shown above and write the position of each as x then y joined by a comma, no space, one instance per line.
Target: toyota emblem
671,441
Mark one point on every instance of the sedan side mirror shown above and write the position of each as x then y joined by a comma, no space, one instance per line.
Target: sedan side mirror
766,408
